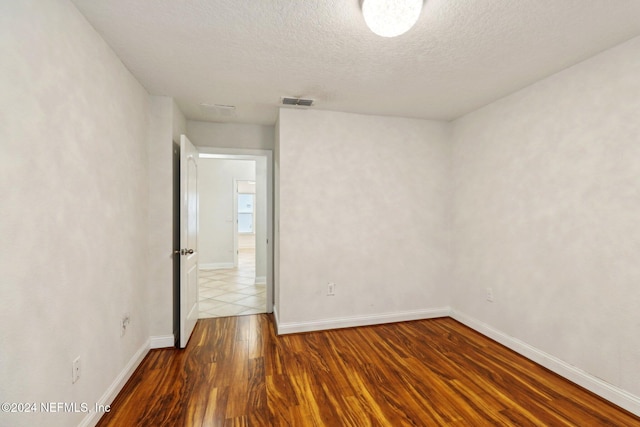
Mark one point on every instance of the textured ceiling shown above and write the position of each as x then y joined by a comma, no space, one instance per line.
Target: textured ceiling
249,53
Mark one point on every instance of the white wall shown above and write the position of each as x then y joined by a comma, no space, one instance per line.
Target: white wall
73,141
546,209
230,135
215,190
363,202
166,125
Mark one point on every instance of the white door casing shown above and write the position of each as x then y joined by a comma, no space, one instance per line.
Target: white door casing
188,239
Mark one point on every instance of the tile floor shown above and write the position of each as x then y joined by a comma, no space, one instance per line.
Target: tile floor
232,292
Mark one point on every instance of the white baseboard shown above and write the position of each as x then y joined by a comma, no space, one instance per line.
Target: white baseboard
162,341
351,321
603,389
260,280
216,266
92,418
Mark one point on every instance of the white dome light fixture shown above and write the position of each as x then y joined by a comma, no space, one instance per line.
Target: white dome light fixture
391,18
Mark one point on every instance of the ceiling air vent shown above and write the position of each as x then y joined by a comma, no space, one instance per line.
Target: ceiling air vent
297,101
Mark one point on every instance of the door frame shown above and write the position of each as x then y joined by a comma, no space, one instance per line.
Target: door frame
253,154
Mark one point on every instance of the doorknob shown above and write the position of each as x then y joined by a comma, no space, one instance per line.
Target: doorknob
189,251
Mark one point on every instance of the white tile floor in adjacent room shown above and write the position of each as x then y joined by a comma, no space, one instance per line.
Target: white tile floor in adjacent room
232,292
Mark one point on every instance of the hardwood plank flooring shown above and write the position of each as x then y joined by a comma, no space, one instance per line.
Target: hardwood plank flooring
237,372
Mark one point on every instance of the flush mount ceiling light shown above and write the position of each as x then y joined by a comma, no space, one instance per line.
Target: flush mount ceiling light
390,18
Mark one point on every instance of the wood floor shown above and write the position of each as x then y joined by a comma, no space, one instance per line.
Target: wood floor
237,372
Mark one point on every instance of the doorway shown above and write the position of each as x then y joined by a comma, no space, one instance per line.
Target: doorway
244,202
235,232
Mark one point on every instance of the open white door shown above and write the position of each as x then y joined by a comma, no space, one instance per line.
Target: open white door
188,239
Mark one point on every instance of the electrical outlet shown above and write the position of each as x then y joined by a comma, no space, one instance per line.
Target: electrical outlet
490,294
331,289
75,370
126,319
